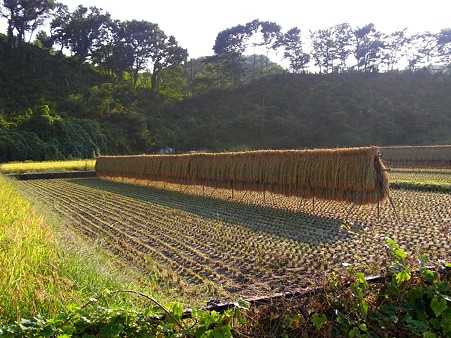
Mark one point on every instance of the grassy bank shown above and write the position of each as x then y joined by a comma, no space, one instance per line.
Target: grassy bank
44,266
422,186
29,279
49,166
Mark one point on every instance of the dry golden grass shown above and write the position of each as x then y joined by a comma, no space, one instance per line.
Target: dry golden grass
47,166
352,174
417,156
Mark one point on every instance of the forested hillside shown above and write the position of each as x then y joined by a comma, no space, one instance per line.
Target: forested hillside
310,110
94,85
54,108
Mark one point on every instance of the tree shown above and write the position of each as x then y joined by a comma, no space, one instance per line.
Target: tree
368,46
444,45
82,31
292,44
166,53
394,44
137,41
229,47
137,45
43,40
270,34
324,49
423,49
342,34
24,16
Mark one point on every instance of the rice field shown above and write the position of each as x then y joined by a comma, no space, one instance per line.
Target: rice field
224,244
439,176
48,166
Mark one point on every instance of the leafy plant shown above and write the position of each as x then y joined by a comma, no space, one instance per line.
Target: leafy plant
91,320
411,303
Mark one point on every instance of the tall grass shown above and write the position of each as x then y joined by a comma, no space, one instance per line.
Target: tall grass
44,266
49,166
29,279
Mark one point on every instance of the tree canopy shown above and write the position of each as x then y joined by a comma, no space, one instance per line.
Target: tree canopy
95,85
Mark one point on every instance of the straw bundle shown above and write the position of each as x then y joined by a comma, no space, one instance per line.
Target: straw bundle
419,157
353,174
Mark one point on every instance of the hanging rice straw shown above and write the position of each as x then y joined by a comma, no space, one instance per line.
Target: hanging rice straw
344,174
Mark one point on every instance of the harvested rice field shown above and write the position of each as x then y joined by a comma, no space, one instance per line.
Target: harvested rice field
223,244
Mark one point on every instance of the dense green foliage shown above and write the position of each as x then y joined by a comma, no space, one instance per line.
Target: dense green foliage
92,320
412,301
54,107
127,87
308,110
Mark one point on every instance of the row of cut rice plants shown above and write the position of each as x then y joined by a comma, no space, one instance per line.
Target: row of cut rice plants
176,254
321,212
433,212
210,247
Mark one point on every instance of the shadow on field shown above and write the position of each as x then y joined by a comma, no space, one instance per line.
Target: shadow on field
299,226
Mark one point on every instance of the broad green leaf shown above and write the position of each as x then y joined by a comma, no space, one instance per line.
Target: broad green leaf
354,332
318,320
363,306
177,310
438,305
402,277
357,291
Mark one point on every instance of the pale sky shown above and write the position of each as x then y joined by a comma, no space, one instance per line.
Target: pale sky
196,23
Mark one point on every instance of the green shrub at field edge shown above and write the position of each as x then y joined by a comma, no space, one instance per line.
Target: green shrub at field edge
414,300
156,321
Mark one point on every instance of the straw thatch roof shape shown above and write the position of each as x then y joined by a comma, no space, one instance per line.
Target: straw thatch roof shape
344,174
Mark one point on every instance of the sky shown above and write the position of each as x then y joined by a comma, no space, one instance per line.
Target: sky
196,23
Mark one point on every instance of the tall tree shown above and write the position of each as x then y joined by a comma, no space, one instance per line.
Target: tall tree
444,46
343,37
324,49
270,34
82,31
166,53
292,44
138,40
229,47
368,46
393,49
141,45
422,51
24,16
